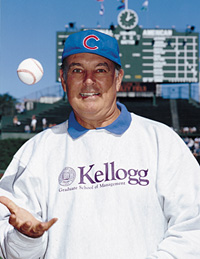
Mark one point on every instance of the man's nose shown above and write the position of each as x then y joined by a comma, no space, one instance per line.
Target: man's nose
89,78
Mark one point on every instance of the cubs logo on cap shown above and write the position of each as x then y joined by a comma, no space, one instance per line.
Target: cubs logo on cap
91,41
86,39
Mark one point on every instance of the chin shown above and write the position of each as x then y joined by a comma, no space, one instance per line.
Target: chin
91,107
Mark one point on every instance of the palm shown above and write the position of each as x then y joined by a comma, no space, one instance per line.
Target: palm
24,221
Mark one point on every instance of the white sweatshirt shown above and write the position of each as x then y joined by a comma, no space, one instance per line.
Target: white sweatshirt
131,195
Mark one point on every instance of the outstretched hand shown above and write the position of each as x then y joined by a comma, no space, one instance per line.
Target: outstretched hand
24,221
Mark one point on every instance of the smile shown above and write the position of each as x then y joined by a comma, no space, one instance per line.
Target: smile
88,94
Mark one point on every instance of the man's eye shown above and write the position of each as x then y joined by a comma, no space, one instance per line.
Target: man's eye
77,70
101,70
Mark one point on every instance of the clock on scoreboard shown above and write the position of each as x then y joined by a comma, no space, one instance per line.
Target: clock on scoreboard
127,19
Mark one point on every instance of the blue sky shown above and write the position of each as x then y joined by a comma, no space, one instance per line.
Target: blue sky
28,29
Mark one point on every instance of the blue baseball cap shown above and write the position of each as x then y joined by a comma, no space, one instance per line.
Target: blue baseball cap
91,41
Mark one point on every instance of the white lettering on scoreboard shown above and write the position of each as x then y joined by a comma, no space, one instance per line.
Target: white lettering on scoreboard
153,33
169,58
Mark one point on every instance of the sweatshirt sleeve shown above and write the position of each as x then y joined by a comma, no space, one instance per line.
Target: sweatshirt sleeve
178,188
19,246
25,189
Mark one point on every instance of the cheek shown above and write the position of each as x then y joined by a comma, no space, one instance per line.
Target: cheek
111,87
71,93
107,84
72,87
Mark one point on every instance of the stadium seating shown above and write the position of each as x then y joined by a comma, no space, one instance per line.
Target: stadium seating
161,110
189,114
54,113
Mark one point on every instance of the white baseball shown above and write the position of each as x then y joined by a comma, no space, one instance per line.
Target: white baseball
30,71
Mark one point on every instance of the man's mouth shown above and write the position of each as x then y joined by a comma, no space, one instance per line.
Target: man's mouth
88,94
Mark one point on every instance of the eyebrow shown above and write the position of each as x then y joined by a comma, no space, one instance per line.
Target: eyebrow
74,64
103,64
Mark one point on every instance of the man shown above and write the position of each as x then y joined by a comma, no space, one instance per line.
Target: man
104,184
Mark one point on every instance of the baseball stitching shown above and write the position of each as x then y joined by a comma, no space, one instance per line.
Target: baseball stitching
29,72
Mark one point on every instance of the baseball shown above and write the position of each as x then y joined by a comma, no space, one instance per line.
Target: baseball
30,71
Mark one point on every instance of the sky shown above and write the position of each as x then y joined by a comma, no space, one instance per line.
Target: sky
28,30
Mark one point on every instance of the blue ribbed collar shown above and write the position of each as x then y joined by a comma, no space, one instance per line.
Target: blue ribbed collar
119,126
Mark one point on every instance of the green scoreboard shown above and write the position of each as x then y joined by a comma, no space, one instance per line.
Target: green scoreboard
150,55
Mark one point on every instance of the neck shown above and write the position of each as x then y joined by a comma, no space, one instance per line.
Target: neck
94,123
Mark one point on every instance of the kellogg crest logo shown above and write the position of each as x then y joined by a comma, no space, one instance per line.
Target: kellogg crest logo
67,176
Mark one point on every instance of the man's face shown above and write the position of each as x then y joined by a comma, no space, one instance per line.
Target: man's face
91,87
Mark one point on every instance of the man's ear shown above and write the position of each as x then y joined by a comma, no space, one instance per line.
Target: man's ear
63,81
119,79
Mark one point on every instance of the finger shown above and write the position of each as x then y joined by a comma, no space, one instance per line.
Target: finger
51,222
39,230
44,226
26,227
12,207
19,225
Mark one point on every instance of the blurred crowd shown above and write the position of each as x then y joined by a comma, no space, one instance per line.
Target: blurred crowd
189,130
193,144
32,127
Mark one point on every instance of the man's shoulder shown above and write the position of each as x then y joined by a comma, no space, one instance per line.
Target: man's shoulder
146,121
45,138
143,124
54,131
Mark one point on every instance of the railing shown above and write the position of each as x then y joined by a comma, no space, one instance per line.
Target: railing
51,91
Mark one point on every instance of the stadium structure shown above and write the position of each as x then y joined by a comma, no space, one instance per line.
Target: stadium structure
161,80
